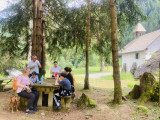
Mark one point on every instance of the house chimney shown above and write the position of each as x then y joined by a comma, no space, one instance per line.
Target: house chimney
139,30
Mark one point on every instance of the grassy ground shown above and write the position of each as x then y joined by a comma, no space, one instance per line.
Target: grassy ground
105,83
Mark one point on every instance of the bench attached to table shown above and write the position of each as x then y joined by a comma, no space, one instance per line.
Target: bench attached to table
65,102
4,82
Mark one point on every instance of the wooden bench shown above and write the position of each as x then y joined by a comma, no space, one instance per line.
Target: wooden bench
65,102
4,82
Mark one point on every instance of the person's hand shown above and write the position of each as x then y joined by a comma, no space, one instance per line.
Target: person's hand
37,63
28,84
28,89
32,67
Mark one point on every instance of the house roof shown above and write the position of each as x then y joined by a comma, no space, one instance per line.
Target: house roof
141,43
139,28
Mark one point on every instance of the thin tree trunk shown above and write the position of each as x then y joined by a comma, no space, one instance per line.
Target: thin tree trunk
29,42
102,63
43,48
34,27
115,60
86,84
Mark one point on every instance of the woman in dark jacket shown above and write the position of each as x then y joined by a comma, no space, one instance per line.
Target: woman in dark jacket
69,76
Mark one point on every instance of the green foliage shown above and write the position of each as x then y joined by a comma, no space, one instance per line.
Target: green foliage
143,110
14,29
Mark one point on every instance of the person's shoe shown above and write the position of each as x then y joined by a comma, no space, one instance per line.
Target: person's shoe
35,110
30,112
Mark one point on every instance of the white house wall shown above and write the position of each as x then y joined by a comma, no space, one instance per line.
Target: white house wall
152,48
129,59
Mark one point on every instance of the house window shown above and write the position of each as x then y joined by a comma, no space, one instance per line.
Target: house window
137,55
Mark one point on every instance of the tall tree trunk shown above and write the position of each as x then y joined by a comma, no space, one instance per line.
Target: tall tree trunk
86,84
39,31
43,48
29,42
34,27
102,63
115,60
38,42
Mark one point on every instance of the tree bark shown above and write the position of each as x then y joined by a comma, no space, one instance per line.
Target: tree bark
39,31
102,63
43,48
86,84
34,27
115,60
38,42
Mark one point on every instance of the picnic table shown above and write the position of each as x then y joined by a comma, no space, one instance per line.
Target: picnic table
4,82
48,88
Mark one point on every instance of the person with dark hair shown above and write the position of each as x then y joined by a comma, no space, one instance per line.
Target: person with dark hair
68,70
69,76
55,70
34,78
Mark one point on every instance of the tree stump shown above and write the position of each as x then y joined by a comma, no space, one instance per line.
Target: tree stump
145,90
147,86
124,68
85,102
133,68
135,93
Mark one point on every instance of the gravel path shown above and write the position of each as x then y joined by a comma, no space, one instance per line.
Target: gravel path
97,75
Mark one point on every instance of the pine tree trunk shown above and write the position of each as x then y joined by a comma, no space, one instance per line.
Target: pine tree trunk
39,31
34,27
38,43
115,60
43,48
102,63
86,84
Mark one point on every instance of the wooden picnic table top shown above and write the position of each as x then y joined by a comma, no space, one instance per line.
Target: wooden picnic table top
48,82
45,85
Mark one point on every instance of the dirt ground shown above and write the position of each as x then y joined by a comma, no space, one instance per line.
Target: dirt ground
105,110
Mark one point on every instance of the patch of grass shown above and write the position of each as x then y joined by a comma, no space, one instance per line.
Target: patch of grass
78,71
2,76
123,76
102,83
131,84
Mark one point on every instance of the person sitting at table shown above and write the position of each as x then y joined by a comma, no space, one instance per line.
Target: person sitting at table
23,90
55,70
34,78
65,85
69,76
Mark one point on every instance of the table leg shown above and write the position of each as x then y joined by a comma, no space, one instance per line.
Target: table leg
1,86
40,99
50,100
